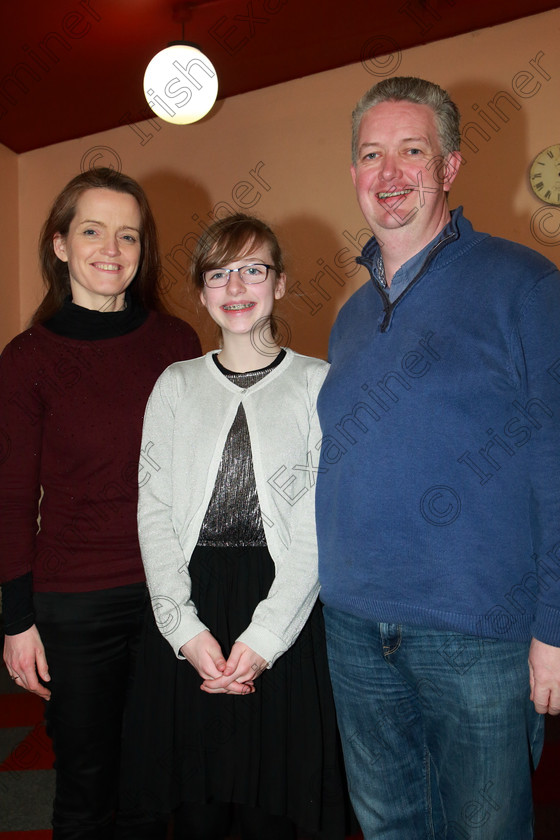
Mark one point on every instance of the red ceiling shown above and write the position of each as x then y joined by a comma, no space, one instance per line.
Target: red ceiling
70,68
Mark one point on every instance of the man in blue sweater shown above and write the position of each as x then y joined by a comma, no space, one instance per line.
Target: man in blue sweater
438,496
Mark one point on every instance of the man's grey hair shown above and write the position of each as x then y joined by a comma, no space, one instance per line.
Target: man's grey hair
420,92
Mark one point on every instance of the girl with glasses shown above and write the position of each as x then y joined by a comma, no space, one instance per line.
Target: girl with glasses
241,715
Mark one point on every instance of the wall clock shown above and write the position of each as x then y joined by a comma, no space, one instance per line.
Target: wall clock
544,175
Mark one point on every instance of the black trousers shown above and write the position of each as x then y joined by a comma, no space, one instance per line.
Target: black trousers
91,640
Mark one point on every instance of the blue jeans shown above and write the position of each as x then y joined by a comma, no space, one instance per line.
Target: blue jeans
439,735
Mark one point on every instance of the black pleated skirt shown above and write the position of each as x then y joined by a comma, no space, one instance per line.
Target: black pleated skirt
277,749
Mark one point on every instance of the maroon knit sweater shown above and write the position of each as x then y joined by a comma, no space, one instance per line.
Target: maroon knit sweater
71,424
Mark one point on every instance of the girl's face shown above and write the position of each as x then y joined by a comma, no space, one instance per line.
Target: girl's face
102,248
241,308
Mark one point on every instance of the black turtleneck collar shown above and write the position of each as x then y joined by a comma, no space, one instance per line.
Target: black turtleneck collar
273,364
73,321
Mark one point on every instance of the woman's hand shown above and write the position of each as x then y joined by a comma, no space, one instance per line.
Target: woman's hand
24,656
241,670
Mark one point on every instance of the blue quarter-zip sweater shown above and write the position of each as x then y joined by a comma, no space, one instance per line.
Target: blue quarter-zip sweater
438,493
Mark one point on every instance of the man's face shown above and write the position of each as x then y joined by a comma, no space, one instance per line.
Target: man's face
400,175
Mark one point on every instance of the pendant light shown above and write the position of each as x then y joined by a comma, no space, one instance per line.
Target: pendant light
180,82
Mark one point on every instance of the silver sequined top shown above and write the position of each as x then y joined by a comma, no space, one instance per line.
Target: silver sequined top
234,516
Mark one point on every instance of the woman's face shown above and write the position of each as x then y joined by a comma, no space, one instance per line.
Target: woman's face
102,248
240,308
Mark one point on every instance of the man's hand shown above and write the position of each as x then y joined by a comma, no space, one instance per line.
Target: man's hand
544,675
25,658
241,670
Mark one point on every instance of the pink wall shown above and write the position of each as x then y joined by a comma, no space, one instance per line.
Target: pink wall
283,153
9,261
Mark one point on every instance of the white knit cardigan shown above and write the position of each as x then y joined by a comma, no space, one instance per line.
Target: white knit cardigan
187,420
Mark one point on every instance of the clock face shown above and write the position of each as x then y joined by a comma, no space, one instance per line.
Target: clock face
545,175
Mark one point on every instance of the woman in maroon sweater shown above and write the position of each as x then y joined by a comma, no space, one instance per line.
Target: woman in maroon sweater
73,388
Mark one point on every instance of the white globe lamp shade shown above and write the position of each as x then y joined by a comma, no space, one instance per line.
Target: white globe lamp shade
180,83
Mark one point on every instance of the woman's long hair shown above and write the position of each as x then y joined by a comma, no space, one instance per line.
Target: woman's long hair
145,288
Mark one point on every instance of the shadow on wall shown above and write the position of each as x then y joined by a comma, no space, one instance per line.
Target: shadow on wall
496,153
321,271
322,274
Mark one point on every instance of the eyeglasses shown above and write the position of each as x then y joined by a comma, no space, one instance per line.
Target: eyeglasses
249,274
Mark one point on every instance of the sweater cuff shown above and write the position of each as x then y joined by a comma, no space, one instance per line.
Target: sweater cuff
546,627
263,642
17,604
181,632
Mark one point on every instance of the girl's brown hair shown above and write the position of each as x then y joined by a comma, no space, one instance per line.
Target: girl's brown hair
229,239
